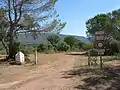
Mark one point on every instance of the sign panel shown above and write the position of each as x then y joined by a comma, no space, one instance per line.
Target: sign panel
99,42
99,45
99,32
101,51
99,37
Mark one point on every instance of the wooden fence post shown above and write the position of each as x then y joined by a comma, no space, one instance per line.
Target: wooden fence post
36,57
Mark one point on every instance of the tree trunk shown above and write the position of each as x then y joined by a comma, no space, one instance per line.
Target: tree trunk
11,44
11,52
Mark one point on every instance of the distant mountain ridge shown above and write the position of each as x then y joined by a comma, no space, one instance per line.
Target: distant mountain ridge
42,38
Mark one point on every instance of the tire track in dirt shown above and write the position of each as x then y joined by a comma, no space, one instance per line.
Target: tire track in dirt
48,77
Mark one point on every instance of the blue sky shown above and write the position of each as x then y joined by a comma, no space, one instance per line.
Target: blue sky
77,12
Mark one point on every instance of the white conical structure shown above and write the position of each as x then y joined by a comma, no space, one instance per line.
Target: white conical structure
20,57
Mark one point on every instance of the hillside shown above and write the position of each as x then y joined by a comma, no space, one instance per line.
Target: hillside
42,38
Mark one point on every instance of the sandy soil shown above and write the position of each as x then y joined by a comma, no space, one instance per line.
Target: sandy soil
60,72
47,75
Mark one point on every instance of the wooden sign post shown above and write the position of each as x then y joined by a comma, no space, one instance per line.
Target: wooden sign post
99,44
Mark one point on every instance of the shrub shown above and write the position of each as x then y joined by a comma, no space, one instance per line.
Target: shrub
53,39
42,48
26,49
87,46
70,40
79,44
112,57
1,47
50,47
62,46
74,43
45,48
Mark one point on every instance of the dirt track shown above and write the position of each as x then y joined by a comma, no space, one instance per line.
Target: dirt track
48,76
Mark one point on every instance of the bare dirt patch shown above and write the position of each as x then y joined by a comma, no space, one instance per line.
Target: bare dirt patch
46,75
92,78
60,71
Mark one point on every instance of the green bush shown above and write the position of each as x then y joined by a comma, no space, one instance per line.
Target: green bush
71,41
26,49
1,47
117,56
53,39
62,46
75,44
112,57
87,46
79,44
50,47
42,48
45,48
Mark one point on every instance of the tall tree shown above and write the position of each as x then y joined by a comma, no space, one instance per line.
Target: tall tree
97,23
110,23
72,41
29,16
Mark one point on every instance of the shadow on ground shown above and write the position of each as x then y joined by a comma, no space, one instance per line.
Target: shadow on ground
8,62
95,79
77,54
3,61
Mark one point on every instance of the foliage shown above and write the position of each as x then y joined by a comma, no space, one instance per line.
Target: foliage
117,56
3,28
27,16
110,23
53,39
26,49
97,23
112,58
42,48
87,46
62,46
111,47
73,42
1,47
70,40
50,47
79,44
2,50
45,48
